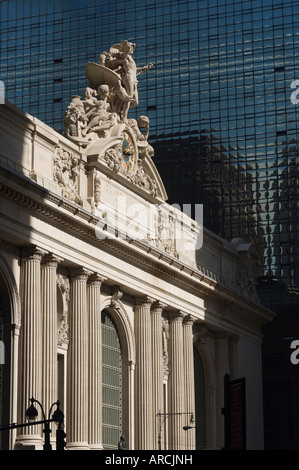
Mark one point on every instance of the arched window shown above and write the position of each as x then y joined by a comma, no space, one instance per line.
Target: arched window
5,332
112,383
200,407
1,369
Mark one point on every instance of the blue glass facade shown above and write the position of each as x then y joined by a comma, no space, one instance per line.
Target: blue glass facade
223,122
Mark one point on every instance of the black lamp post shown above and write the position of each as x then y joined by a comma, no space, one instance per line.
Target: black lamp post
166,415
186,428
58,417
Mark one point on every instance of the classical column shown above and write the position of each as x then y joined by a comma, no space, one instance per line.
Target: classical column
189,379
157,364
131,405
176,382
16,328
77,398
222,368
95,361
233,355
143,374
49,331
31,342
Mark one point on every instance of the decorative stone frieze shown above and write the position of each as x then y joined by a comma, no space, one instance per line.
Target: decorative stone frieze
249,267
63,333
63,285
165,240
200,333
66,169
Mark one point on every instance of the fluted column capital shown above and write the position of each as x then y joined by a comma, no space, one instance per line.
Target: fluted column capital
144,301
79,273
50,260
176,316
188,320
234,338
158,306
32,252
222,336
95,279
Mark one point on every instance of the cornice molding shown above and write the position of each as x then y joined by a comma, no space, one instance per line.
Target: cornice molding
17,125
77,220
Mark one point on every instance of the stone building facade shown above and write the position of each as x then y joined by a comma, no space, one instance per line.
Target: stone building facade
115,303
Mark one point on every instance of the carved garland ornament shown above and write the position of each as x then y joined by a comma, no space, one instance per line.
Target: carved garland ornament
165,339
66,167
63,284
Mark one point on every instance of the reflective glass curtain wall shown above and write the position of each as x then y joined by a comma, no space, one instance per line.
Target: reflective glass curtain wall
222,122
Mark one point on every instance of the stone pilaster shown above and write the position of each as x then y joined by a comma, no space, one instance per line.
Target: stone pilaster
143,374
190,441
49,330
157,364
31,342
233,355
176,381
222,368
16,329
95,362
131,403
77,410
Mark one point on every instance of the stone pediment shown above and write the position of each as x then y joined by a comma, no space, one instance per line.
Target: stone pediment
98,122
122,158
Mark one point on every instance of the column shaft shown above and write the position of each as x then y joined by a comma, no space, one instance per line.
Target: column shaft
49,331
143,375
77,415
157,364
176,382
95,362
233,356
222,368
189,379
31,351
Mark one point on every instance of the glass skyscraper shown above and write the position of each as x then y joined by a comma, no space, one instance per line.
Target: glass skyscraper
223,112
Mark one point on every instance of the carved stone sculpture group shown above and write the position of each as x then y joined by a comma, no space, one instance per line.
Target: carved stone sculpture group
112,90
98,121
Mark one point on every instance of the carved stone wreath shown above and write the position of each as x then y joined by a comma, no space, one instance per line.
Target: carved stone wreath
66,167
63,330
